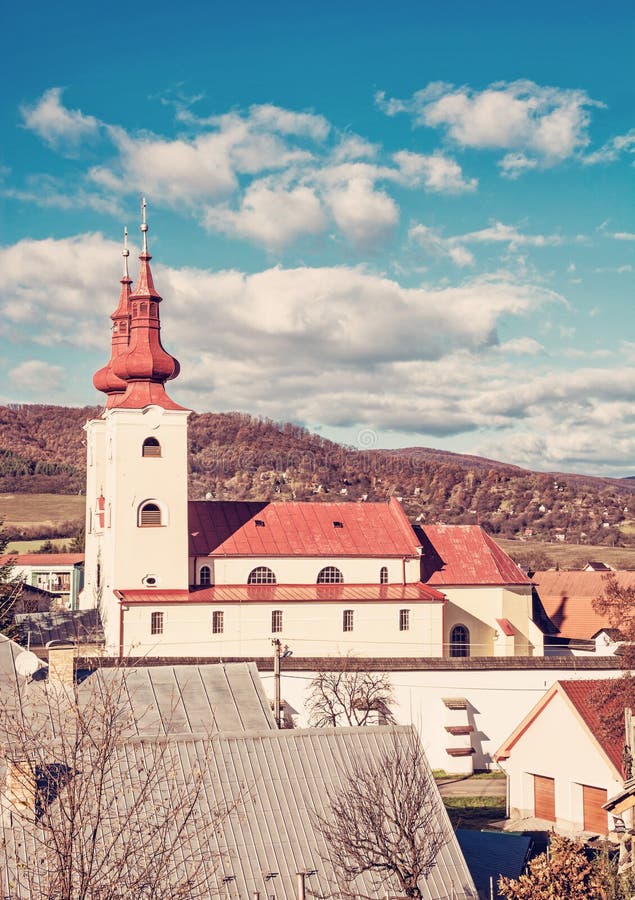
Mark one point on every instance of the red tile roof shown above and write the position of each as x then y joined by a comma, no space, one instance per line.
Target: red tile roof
567,598
579,694
465,554
46,560
283,593
219,528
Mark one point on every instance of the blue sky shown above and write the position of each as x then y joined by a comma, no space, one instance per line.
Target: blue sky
395,224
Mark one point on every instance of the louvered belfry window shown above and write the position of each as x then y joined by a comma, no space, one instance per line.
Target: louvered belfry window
150,514
151,447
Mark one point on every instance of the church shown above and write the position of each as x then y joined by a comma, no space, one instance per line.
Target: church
202,578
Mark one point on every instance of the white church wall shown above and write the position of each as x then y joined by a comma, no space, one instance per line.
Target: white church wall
314,629
304,570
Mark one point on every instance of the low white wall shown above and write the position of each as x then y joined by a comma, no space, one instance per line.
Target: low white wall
497,701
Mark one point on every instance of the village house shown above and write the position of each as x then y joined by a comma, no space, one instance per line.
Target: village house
560,765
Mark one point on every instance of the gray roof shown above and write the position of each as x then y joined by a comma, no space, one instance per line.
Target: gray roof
184,700
276,782
81,626
489,853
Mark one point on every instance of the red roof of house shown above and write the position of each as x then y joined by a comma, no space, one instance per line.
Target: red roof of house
579,694
220,528
465,554
567,598
291,593
46,560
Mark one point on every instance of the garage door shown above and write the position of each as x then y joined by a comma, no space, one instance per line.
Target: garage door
544,798
595,818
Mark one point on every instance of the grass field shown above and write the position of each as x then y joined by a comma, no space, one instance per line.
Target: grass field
574,555
40,509
34,546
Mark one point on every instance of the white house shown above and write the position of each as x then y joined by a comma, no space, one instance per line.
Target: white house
59,574
561,768
224,579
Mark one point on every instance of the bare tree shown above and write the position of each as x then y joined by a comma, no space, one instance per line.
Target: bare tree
344,695
387,819
91,810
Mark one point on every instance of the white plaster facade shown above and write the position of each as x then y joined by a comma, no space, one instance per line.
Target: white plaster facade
118,550
497,700
311,629
558,745
478,607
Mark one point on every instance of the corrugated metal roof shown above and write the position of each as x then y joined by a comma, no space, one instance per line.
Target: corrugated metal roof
219,528
567,598
82,626
279,782
46,560
283,593
465,555
190,699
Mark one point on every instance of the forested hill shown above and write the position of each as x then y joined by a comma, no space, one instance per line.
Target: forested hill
234,456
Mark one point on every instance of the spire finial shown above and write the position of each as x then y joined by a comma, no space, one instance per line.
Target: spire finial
125,252
144,225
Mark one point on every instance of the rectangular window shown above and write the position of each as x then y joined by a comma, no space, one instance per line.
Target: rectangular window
276,620
347,620
156,623
404,620
218,622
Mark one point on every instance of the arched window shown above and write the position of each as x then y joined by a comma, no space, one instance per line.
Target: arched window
261,575
330,575
383,575
149,515
205,575
459,641
151,447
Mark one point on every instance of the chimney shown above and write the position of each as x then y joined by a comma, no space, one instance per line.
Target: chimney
20,789
61,664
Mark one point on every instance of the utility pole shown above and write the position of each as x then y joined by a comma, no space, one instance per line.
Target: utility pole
277,647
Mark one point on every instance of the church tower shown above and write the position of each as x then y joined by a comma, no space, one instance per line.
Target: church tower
136,486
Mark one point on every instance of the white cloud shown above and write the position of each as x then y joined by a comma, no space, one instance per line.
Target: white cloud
365,215
36,377
265,174
433,242
332,346
454,247
270,216
56,124
623,236
612,150
438,173
537,125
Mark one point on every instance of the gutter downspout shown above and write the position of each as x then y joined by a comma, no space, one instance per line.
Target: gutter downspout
119,597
